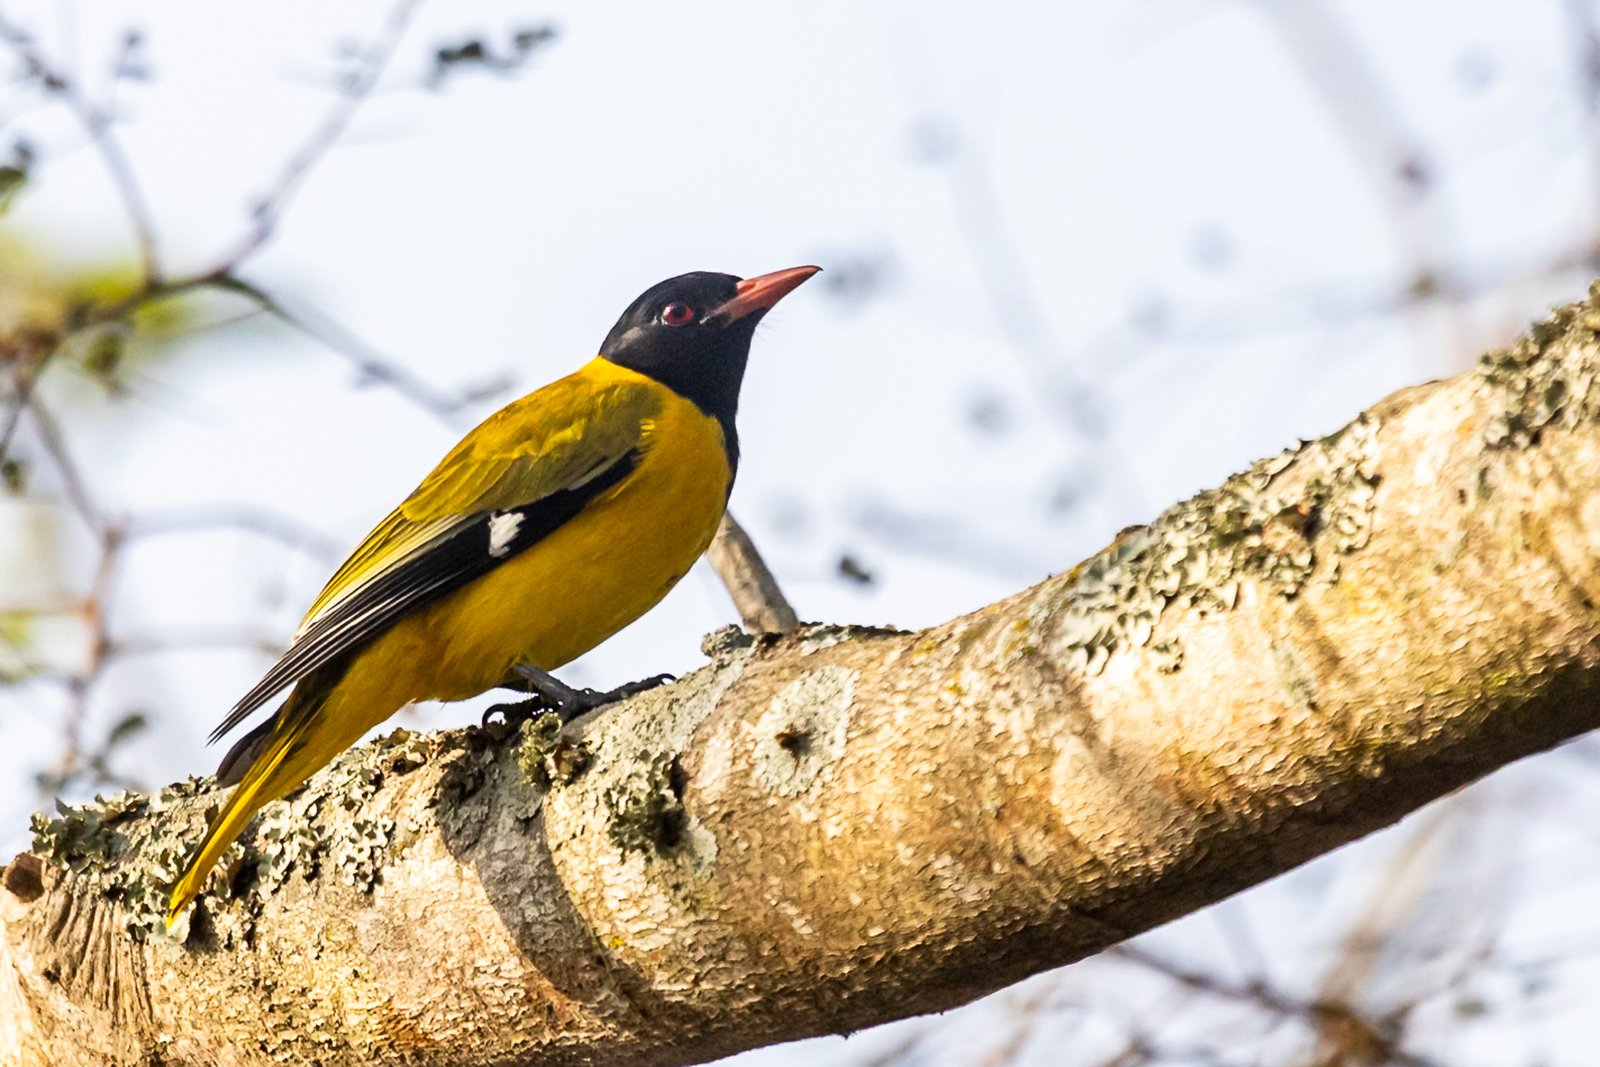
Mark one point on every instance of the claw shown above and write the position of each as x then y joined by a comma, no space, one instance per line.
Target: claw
643,685
512,716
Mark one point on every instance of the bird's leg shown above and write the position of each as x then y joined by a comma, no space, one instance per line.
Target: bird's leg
552,694
568,702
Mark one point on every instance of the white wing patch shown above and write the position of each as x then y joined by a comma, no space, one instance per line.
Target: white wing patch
502,531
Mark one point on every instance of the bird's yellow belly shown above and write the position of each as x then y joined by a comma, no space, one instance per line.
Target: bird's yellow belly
579,585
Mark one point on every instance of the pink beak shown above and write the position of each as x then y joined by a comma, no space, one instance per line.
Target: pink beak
763,291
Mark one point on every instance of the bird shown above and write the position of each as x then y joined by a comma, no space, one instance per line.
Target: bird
554,523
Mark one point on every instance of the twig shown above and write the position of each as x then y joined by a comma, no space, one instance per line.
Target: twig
203,638
354,89
71,479
760,603
1370,118
1021,316
97,122
29,353
279,527
154,286
97,606
30,371
25,378
1320,1013
372,365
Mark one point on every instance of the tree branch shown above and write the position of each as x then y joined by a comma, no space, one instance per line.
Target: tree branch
844,826
754,590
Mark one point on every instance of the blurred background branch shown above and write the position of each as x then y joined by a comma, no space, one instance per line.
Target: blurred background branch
92,319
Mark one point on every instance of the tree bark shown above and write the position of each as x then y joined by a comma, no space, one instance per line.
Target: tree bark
843,826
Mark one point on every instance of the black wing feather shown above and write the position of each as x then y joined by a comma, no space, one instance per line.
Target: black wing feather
462,553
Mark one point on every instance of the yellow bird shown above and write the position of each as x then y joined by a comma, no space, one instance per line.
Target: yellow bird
556,522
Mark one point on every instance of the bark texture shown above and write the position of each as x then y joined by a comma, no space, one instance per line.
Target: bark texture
843,826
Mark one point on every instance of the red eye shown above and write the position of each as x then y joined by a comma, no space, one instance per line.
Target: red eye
677,314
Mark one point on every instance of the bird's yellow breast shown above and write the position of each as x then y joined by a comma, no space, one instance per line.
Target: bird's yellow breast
579,585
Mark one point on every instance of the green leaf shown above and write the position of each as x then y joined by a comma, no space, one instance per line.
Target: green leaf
12,179
127,727
105,356
13,476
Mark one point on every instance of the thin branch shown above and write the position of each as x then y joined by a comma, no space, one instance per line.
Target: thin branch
97,122
1370,118
372,365
25,379
206,638
271,524
354,88
1393,905
1320,1013
760,603
1023,319
154,286
1008,286
72,481
80,319
98,610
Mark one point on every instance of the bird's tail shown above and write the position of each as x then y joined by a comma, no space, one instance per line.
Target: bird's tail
288,757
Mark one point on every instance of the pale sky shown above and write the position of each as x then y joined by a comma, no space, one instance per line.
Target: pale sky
1121,250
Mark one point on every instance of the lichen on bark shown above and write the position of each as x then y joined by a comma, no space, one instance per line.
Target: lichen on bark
1547,378
1282,522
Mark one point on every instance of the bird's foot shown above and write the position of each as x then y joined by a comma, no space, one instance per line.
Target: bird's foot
550,694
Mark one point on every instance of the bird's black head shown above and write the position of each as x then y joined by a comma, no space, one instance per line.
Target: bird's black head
692,334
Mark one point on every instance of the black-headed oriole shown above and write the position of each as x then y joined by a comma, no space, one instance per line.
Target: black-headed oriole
556,522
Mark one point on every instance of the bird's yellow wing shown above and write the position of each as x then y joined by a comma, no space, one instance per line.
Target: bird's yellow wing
521,474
